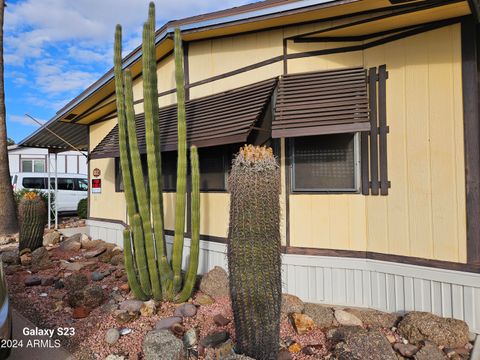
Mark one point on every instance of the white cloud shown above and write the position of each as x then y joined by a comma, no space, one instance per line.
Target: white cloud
25,120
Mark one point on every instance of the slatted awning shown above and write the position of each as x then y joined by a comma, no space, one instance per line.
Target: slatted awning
219,119
317,103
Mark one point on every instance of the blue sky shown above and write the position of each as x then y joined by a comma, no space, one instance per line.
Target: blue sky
54,49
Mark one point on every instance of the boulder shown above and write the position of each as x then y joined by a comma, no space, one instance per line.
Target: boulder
406,350
430,351
117,259
94,253
204,300
322,315
51,238
347,319
161,345
370,345
220,320
8,239
375,318
11,257
215,339
291,304
48,280
148,308
190,338
93,296
40,259
70,244
97,276
302,323
420,326
215,283
93,244
342,332
124,316
26,259
131,305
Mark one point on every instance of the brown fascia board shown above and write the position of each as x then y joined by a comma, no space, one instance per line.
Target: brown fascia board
223,17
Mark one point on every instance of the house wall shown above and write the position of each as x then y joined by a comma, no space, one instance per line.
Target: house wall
424,213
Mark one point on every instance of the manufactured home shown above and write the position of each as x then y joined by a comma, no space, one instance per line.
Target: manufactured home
372,108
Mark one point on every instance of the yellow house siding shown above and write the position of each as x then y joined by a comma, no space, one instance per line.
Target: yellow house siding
424,212
214,214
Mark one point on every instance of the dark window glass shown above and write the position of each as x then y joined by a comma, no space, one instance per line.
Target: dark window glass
169,170
213,168
27,166
324,163
64,184
81,184
33,183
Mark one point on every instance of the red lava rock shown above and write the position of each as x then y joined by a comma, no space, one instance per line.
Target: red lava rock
124,287
221,320
80,312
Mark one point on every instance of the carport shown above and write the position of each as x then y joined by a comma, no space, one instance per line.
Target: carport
57,136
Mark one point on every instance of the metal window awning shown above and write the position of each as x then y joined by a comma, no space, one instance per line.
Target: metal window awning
219,119
318,103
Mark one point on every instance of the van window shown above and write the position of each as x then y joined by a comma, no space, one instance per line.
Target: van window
65,184
81,184
33,183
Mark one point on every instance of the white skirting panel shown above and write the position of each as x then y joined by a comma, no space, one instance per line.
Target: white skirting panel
368,283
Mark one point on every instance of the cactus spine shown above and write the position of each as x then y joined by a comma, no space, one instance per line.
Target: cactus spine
254,259
32,216
149,272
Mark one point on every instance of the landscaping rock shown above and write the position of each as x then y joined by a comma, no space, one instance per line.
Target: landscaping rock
166,323
75,266
40,259
190,338
284,355
58,284
75,282
221,320
215,283
225,349
115,357
111,336
291,304
93,296
94,253
51,238
347,319
237,357
418,326
117,259
322,315
214,339
302,323
148,308
48,281
11,257
342,332
12,269
177,329
80,312
429,351
406,350
204,300
370,345
131,305
97,276
375,318
26,259
186,310
161,345
124,316
71,244
8,239
32,281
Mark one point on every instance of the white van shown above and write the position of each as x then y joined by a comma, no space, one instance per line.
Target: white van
71,187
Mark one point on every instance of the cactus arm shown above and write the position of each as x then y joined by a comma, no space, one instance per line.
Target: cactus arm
129,267
140,191
191,275
181,166
153,149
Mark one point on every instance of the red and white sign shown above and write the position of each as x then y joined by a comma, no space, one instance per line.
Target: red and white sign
96,186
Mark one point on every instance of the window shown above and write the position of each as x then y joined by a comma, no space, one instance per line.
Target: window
33,165
34,183
81,184
325,163
64,184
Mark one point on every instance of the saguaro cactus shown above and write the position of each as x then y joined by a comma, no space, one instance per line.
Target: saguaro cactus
149,272
32,217
254,260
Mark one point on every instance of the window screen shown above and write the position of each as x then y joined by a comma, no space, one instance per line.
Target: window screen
324,163
33,183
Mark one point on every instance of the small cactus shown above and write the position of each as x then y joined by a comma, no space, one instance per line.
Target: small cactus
32,216
254,245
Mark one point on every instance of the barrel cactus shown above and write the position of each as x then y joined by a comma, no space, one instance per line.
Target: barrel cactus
32,217
149,272
254,249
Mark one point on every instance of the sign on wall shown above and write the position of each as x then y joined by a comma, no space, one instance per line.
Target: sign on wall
96,172
96,186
